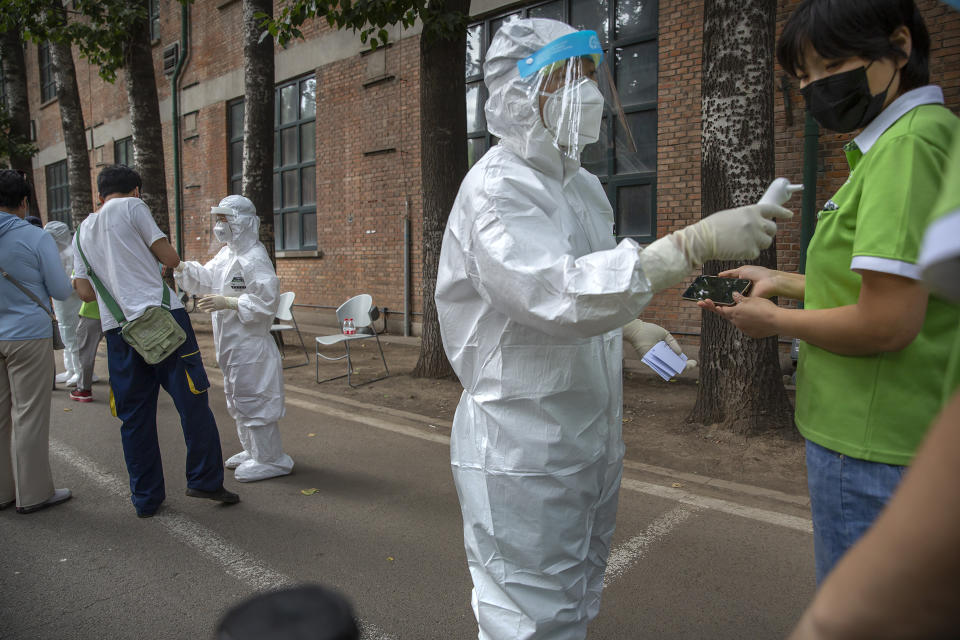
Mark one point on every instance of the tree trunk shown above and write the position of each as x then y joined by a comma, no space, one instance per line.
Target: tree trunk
258,119
74,131
144,107
18,105
443,161
741,387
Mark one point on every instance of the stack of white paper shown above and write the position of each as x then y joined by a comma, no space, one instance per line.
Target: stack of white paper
664,361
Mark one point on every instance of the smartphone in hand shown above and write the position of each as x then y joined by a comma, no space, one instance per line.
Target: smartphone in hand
718,289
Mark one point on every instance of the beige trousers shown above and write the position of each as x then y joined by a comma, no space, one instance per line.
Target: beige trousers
26,381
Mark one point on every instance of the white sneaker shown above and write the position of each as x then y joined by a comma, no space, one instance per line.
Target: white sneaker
236,460
62,377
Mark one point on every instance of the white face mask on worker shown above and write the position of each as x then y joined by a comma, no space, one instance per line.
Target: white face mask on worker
222,232
573,114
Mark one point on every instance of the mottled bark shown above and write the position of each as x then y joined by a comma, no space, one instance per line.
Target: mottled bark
74,132
144,108
741,387
18,104
443,161
258,119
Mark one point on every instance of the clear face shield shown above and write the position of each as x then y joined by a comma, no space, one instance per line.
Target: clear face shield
571,86
221,227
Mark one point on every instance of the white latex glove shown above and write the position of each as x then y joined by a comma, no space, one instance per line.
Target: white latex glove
210,303
644,335
179,268
731,234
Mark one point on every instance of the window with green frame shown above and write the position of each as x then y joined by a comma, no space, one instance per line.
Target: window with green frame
235,144
294,162
48,84
58,192
628,33
123,151
154,9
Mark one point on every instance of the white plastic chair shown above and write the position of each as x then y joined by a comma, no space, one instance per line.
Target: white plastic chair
357,308
285,314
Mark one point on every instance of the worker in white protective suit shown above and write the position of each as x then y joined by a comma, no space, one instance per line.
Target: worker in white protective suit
67,311
242,293
532,292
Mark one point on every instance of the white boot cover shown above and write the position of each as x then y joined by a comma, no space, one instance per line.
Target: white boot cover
236,460
267,459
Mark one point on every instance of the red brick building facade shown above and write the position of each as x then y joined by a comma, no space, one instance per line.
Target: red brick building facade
342,203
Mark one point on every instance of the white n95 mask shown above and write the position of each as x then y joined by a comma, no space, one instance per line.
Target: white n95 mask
222,231
574,114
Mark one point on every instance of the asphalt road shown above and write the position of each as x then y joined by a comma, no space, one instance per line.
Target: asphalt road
692,558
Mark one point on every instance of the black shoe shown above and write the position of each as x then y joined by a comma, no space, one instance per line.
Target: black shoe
220,495
4,505
59,495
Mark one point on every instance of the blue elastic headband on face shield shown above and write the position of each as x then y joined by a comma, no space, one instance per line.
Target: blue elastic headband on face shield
573,45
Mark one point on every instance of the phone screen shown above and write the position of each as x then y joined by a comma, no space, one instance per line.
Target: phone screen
718,289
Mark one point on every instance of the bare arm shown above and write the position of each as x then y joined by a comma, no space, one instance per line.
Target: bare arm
790,285
84,289
902,579
768,283
165,253
888,315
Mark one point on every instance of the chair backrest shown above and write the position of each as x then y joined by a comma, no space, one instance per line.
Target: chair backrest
358,308
286,303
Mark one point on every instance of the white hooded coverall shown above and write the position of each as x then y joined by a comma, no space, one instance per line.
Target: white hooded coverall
247,355
531,293
67,311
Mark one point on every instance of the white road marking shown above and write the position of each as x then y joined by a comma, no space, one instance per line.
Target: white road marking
369,421
235,561
724,506
714,504
623,557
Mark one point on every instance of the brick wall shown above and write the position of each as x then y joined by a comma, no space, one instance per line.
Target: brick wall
368,166
368,145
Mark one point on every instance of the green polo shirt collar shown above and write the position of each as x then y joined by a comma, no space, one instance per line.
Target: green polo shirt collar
930,94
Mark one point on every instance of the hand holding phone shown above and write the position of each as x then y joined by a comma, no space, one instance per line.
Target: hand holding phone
719,290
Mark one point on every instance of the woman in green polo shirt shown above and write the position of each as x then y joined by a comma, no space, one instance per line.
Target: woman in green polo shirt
875,343
887,585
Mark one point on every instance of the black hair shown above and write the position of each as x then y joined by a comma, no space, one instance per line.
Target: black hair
305,612
13,188
117,178
857,28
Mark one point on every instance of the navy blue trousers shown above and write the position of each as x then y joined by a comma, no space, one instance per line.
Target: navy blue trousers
136,386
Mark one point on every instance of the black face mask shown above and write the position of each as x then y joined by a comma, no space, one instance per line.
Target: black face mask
842,102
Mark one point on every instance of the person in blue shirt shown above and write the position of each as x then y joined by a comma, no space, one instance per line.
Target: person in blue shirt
29,257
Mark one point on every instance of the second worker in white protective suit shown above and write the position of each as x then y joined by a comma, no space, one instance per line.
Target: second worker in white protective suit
532,292
67,311
243,293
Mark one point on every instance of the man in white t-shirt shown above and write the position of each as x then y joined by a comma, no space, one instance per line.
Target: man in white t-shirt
125,249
